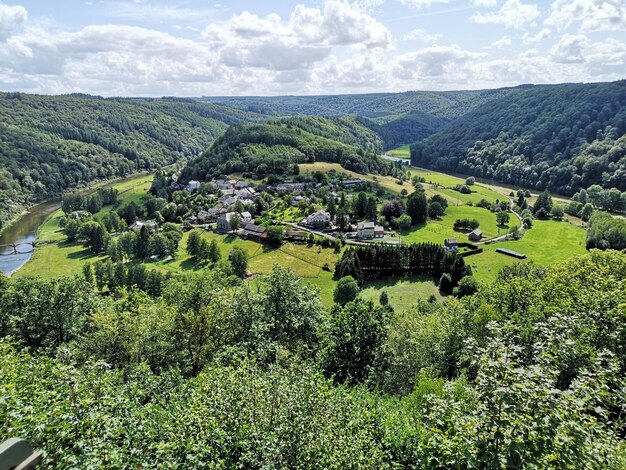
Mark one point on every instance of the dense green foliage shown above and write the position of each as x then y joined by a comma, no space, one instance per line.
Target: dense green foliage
49,144
561,138
277,148
399,118
370,262
606,232
527,372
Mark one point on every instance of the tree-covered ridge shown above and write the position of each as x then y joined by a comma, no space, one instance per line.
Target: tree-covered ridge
399,118
442,104
561,138
49,144
278,146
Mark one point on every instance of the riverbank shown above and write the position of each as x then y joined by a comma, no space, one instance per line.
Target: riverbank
28,227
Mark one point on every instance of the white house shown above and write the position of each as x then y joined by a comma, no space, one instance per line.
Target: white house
318,219
223,222
365,229
193,186
246,217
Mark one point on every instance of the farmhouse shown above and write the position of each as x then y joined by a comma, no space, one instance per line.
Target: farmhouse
223,221
318,219
475,235
365,229
254,231
246,216
451,244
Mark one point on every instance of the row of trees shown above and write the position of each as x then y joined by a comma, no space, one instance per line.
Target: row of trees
367,262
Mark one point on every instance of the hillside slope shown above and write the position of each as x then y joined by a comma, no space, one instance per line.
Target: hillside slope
49,144
560,137
399,118
278,146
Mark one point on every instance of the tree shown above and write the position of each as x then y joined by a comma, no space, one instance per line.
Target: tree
445,283
384,298
143,242
371,211
417,207
586,211
239,261
435,210
235,222
557,212
213,252
467,286
503,218
95,236
346,290
470,180
275,235
72,229
403,222
355,336
544,201
193,242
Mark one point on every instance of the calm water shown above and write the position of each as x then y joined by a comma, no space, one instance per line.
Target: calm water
23,230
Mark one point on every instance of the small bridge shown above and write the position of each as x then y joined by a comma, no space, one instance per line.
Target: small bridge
17,248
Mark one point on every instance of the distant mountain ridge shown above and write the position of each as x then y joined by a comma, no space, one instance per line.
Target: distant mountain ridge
399,118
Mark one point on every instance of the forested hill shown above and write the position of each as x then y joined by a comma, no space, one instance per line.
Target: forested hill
49,144
399,118
560,137
278,146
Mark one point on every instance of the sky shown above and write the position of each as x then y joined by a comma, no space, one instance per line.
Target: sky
202,48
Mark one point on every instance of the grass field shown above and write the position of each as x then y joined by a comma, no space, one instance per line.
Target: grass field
56,257
548,242
400,152
436,231
403,292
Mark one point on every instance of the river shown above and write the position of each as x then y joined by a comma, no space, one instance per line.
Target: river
23,230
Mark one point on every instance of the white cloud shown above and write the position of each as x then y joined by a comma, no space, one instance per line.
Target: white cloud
419,4
593,15
513,14
569,49
537,37
504,41
10,18
485,3
434,61
421,35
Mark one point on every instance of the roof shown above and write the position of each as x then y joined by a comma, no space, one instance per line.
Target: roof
246,215
320,212
451,241
477,231
366,225
255,229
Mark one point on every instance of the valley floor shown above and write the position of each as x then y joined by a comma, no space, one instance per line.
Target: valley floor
547,242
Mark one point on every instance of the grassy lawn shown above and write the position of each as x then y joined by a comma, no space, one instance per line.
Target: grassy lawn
56,257
403,292
548,242
436,231
400,152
